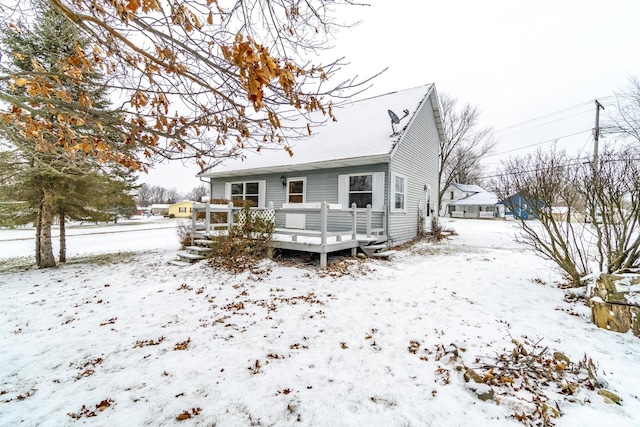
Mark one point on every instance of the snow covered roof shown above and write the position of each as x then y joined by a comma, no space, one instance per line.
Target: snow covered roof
469,188
483,198
362,135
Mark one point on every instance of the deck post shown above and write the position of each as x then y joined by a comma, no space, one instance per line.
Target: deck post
323,260
193,225
207,218
354,228
229,215
368,220
323,225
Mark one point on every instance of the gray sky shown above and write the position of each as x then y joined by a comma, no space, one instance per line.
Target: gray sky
532,67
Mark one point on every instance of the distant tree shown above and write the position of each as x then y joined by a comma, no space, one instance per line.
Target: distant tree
464,145
624,117
157,194
142,195
172,196
198,193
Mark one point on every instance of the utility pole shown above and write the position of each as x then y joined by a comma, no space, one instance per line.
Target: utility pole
596,137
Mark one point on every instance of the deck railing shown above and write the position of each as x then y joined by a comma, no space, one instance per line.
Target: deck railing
330,215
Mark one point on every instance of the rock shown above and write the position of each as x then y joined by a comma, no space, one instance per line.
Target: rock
609,396
614,317
470,374
482,391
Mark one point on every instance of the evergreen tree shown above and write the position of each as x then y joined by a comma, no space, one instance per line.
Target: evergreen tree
40,184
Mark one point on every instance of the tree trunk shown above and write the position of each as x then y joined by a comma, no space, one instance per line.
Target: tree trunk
63,239
38,225
46,248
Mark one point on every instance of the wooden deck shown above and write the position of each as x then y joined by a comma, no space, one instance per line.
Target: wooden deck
328,238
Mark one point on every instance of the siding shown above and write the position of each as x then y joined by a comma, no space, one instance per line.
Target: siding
322,185
416,157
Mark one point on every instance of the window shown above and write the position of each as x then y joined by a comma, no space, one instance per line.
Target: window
182,210
361,190
252,191
451,197
248,191
399,193
296,188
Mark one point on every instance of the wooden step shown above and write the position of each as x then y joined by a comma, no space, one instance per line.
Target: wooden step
203,242
385,254
189,257
371,250
367,240
198,249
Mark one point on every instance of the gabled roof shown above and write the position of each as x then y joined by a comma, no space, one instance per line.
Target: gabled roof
483,198
469,188
362,135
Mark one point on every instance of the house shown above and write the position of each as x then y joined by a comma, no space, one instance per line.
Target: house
368,157
483,204
160,209
519,207
143,210
456,192
181,209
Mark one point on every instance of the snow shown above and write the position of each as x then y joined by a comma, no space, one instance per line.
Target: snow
365,124
483,198
290,345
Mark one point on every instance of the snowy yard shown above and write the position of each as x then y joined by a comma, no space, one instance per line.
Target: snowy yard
129,340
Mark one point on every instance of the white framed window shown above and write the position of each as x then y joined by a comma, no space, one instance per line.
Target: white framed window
251,191
182,209
361,189
399,187
296,190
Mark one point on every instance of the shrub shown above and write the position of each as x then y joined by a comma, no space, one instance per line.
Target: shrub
246,243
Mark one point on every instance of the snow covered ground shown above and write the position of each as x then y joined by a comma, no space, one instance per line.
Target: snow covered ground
128,339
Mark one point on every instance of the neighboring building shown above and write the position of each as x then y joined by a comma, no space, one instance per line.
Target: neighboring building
457,192
181,209
359,159
143,210
519,207
483,204
160,209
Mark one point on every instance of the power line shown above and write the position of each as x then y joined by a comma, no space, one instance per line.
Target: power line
576,162
564,110
538,143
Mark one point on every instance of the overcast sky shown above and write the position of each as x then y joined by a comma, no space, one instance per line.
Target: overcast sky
533,68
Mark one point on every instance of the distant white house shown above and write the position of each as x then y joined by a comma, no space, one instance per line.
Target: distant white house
457,192
483,204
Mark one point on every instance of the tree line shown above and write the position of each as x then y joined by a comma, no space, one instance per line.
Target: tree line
146,195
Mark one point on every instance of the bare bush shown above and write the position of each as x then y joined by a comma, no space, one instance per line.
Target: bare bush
246,244
545,180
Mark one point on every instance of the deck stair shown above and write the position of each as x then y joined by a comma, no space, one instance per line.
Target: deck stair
199,250
376,250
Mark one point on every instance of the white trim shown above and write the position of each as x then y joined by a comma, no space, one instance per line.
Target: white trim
405,193
262,190
377,189
304,188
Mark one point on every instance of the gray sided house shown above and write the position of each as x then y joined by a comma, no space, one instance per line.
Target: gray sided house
362,158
